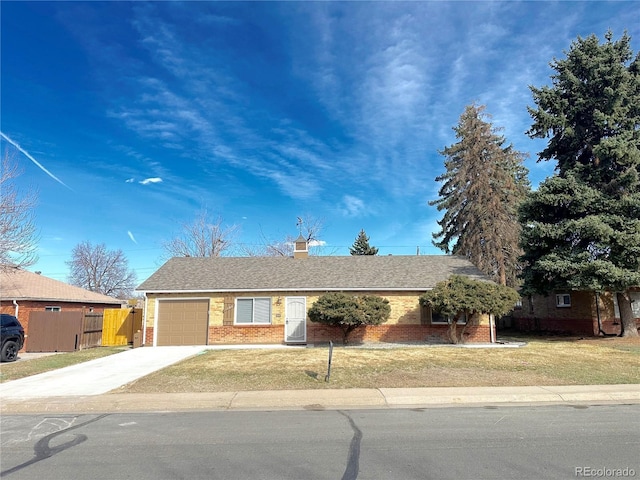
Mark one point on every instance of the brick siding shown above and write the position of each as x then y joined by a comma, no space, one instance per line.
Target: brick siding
274,334
396,333
407,322
540,313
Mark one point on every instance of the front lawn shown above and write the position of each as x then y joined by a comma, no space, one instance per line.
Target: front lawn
543,361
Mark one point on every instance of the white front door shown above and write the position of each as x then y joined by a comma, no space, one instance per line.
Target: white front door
295,328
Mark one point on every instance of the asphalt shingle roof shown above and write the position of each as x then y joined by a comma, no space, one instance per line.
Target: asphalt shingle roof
367,272
16,284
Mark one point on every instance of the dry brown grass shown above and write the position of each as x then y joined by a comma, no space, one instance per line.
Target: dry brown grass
555,361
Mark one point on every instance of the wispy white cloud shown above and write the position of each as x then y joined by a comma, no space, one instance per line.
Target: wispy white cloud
351,98
298,186
133,239
147,181
338,108
183,120
352,206
30,157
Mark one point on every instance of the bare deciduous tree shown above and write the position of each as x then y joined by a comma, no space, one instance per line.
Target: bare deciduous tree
309,228
202,238
102,271
18,235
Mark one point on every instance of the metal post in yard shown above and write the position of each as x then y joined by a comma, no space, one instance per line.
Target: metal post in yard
326,378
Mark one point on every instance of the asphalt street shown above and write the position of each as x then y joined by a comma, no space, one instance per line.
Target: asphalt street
542,442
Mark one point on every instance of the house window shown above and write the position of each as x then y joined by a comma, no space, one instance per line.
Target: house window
563,300
635,304
438,318
253,311
52,309
518,305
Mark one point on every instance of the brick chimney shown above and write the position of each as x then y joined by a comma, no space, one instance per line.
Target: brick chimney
300,248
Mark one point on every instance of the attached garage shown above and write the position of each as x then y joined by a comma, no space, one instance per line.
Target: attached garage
182,322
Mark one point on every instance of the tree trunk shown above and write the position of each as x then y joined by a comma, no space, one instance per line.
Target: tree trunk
453,334
453,330
503,274
627,320
346,332
464,328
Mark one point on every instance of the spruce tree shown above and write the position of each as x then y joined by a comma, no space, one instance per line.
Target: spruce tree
484,183
361,245
582,226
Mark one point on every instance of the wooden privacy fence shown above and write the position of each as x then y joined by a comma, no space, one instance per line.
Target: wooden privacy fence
119,326
91,330
65,331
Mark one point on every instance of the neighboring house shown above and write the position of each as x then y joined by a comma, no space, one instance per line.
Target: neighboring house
244,300
572,312
23,292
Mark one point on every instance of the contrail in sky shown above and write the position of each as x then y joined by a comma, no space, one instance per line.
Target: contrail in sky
26,154
133,239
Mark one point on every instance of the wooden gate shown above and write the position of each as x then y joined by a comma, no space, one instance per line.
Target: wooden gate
119,325
65,331
91,330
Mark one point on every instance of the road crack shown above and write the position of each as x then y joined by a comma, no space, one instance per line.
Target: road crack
353,459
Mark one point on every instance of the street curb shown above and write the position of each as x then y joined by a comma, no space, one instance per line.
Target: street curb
330,399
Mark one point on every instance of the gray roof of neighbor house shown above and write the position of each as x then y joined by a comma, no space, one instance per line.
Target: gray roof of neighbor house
365,272
17,284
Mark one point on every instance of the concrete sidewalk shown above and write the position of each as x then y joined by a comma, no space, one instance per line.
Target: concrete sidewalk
327,399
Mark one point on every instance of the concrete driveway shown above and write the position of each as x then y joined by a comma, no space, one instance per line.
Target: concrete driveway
108,373
97,376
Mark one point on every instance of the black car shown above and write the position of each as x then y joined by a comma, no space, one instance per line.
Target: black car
12,337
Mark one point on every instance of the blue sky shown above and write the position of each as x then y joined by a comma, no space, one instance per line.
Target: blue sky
141,114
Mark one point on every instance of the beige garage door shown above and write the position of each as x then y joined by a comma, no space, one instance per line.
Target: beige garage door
182,322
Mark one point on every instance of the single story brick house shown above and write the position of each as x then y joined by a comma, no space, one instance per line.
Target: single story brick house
23,292
573,312
251,300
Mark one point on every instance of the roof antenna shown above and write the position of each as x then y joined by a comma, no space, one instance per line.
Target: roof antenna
418,250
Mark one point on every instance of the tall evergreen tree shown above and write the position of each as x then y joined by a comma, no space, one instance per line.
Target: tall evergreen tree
582,226
484,183
361,245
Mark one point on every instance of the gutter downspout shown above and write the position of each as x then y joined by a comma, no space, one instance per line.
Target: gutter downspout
15,304
492,325
600,330
144,319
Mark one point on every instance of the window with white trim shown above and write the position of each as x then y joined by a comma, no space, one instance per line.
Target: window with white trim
563,300
635,304
252,311
52,309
